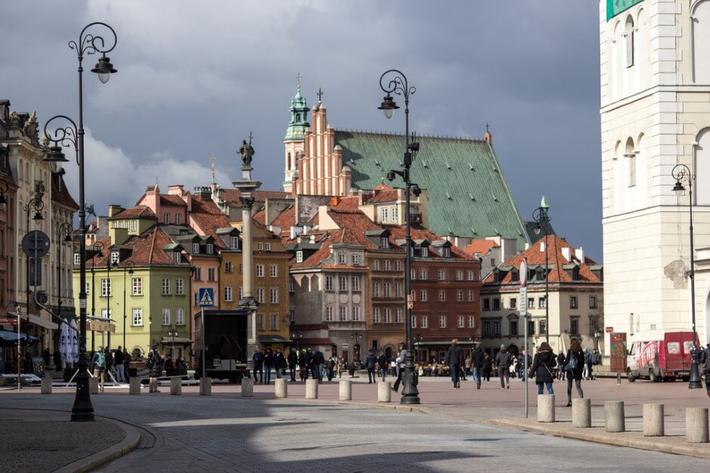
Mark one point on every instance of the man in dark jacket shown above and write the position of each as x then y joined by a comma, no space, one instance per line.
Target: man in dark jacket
292,362
318,361
502,362
118,361
258,359
382,362
370,362
706,365
279,363
453,359
477,364
268,365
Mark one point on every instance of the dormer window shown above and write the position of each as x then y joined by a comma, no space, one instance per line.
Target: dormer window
195,248
342,258
234,243
299,256
114,257
176,257
425,252
210,248
384,242
446,252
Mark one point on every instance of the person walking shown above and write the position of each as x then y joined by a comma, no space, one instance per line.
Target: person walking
99,364
453,359
302,367
330,368
477,362
118,365
502,362
542,367
382,362
401,356
318,363
279,364
561,361
258,359
292,363
370,363
487,366
310,364
268,365
126,364
573,368
705,358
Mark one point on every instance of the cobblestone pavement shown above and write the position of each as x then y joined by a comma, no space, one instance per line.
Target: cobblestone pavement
228,433
41,441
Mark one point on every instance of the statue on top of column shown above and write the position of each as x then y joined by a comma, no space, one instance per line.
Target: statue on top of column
247,151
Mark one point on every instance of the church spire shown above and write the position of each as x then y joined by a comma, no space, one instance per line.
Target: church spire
299,115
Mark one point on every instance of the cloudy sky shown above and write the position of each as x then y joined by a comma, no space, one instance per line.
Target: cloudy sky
195,77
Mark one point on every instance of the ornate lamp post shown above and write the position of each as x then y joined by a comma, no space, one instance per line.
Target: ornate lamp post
682,175
541,217
394,81
357,336
89,43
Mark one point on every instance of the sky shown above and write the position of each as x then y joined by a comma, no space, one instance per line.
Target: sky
195,78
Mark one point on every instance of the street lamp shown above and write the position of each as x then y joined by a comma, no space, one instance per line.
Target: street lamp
357,336
541,217
394,81
172,333
682,175
89,43
127,268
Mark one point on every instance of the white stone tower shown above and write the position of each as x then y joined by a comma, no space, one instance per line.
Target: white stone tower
655,113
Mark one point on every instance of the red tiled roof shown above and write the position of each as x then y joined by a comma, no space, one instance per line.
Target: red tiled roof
481,246
260,217
135,212
60,193
399,233
286,219
208,218
347,203
146,249
384,193
168,199
536,257
232,195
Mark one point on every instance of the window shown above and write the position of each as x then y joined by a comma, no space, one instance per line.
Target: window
383,214
274,271
343,313
342,257
459,295
425,321
356,259
259,270
355,281
543,327
210,248
486,304
461,321
398,265
137,318
384,242
531,302
572,302
234,243
328,282
574,325
299,256
388,265
592,302
77,258
274,325
446,252
198,274
376,265
398,289
541,303
398,316
376,315
137,286
414,322
459,275
388,315
442,275
166,218
425,251
496,328
513,326
423,274
228,268
166,286
329,313
423,295
211,274
195,248
471,275
179,287
228,294
260,321
274,295
166,316
387,289
471,321
513,303
531,327
260,295
357,314
267,246
105,315
375,289
114,257
629,41
487,332
496,304
105,288
442,295
177,219
413,274
442,321
179,316
259,246
343,283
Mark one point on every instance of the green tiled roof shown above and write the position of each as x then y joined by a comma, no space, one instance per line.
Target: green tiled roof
466,190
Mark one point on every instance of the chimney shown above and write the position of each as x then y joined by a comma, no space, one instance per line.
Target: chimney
579,254
4,110
176,189
542,247
114,209
566,253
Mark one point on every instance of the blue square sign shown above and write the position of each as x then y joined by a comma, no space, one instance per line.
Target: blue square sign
206,297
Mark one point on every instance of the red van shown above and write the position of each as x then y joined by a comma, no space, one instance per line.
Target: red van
661,360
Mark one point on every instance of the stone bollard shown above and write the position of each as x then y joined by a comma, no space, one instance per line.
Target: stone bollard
653,420
696,424
281,388
384,391
175,385
582,413
311,389
46,384
546,408
134,385
346,390
614,420
247,387
94,385
153,385
205,386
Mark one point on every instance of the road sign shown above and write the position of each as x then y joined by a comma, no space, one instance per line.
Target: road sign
206,297
609,329
35,244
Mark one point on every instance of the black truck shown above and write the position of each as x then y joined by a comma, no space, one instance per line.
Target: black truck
225,344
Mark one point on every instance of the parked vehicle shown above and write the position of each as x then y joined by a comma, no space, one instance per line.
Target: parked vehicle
661,360
226,344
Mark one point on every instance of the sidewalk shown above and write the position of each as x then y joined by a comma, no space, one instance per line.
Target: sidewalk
41,441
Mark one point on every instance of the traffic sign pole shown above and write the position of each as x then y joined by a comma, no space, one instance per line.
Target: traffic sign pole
523,300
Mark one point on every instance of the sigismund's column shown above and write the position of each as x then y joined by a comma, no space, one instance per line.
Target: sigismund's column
247,187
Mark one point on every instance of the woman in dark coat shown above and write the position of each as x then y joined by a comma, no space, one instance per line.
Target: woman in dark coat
574,367
542,368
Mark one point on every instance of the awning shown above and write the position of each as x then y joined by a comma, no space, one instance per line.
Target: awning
9,338
36,320
272,339
176,341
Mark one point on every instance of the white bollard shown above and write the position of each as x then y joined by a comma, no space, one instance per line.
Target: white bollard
46,384
247,386
345,392
546,408
94,385
176,385
205,386
311,389
582,413
280,388
614,416
153,385
384,391
653,421
696,424
134,385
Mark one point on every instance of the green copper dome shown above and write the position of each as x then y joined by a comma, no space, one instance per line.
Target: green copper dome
299,118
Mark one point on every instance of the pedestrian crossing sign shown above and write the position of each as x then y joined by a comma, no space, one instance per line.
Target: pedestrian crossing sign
206,297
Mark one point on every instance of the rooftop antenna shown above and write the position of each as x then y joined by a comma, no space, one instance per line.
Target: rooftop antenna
298,82
213,168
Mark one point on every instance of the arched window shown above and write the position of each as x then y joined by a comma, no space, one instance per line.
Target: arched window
701,185
288,161
700,21
630,154
629,41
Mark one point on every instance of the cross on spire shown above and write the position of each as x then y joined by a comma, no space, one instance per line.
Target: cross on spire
320,94
298,81
487,130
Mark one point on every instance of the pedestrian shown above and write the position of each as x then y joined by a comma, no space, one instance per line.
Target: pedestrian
258,359
318,363
399,361
27,364
502,362
279,364
268,365
561,361
292,363
706,364
126,364
573,368
382,363
308,358
542,368
118,364
453,359
370,362
330,368
487,366
477,361
467,363
588,361
99,365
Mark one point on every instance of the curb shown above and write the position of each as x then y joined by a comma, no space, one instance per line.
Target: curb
673,445
124,447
